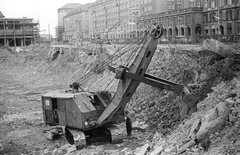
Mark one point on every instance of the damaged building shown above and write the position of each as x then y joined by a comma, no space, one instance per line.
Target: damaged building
17,31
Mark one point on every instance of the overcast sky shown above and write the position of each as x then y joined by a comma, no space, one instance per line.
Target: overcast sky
43,10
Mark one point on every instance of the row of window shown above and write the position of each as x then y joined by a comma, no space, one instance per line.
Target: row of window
122,28
184,19
175,32
147,8
227,15
145,1
113,15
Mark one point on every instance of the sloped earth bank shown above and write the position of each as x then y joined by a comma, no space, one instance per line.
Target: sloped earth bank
214,129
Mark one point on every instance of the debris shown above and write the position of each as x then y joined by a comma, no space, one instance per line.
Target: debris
55,54
53,133
18,49
214,120
230,101
205,144
142,150
218,47
139,126
186,146
1,149
67,148
157,151
195,127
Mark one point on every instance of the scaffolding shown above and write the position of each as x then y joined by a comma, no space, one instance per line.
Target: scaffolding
18,31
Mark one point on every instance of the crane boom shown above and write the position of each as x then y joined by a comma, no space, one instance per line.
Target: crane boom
127,86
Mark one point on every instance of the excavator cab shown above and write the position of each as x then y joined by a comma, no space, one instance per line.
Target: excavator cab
76,109
79,111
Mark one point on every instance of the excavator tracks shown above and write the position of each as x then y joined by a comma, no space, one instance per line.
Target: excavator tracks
76,137
116,134
80,139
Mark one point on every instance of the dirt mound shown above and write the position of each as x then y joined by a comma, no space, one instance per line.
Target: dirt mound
6,54
217,47
170,65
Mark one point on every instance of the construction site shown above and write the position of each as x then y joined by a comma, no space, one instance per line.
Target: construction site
179,98
17,31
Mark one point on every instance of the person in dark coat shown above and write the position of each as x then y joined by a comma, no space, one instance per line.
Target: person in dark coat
128,125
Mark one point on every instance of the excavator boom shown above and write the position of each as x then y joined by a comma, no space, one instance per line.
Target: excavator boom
127,86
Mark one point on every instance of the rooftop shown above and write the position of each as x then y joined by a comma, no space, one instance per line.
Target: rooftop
70,5
81,8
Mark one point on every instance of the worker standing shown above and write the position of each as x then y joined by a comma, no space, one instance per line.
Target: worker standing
128,125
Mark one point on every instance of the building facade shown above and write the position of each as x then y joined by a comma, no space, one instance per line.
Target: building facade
195,19
18,31
222,18
63,11
114,19
191,20
76,24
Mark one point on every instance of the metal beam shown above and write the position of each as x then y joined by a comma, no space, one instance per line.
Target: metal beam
150,81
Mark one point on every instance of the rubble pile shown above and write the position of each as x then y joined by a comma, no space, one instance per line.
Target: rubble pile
218,109
154,106
214,129
161,109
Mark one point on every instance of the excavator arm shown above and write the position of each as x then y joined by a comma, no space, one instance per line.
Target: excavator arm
131,77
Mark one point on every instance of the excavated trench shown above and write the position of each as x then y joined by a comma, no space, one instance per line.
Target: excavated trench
158,109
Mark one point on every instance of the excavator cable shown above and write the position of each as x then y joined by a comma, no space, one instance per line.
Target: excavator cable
114,83
117,55
182,56
128,61
121,53
108,60
109,83
88,76
136,48
175,59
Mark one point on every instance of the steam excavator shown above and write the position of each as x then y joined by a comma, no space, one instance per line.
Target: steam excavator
90,116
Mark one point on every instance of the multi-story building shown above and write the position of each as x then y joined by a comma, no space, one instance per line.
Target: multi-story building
76,24
63,11
149,7
18,31
121,20
114,19
193,19
221,17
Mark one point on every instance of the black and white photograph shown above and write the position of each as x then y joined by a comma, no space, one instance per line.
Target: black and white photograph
120,77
